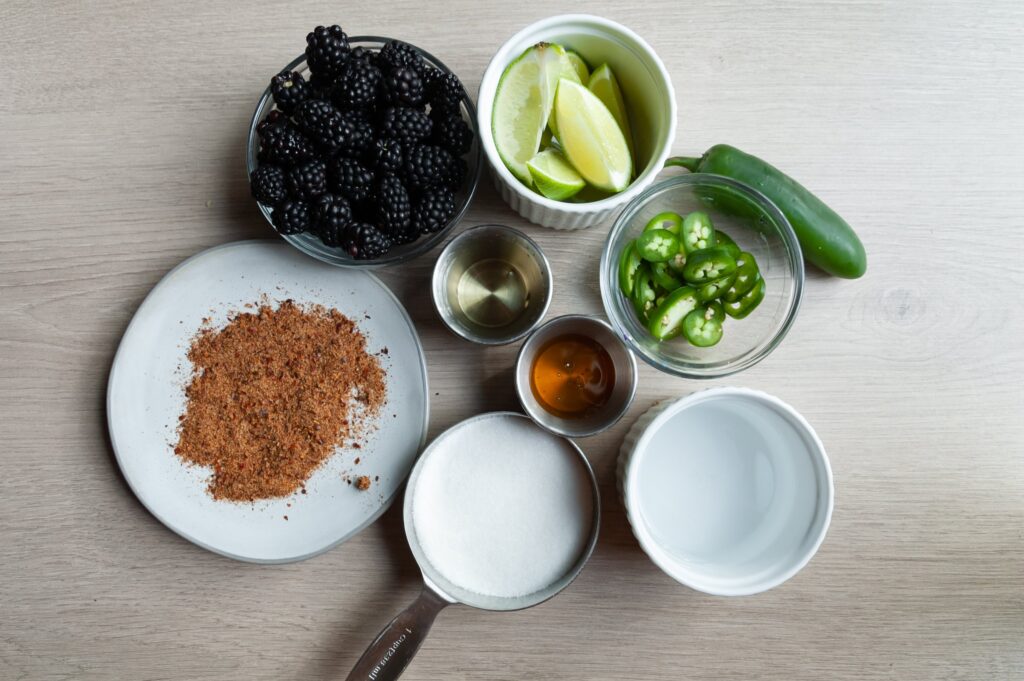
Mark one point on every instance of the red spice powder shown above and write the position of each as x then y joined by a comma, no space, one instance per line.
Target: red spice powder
272,395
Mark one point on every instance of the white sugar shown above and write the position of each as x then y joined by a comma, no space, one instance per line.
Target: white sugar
502,508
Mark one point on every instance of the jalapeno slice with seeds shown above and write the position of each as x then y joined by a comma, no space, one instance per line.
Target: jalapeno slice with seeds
629,263
703,326
715,288
697,233
747,274
657,245
665,277
668,220
643,292
748,302
666,321
707,264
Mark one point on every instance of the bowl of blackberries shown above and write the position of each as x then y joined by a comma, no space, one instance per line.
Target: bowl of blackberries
364,150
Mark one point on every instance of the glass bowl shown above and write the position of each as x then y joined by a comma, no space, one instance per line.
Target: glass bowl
309,243
758,227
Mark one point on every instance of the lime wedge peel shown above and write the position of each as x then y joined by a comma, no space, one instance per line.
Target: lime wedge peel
580,65
604,84
523,104
553,176
591,138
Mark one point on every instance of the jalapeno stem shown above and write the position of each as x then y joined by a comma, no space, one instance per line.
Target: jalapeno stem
689,162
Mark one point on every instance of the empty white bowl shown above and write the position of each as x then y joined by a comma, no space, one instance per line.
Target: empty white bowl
646,89
728,490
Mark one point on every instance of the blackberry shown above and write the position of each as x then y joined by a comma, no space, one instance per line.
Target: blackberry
406,235
357,87
434,209
292,217
453,134
360,53
456,174
361,138
281,143
385,156
350,179
267,184
430,76
447,93
333,215
307,180
327,50
394,209
426,166
327,127
322,84
405,124
364,242
289,89
404,86
396,54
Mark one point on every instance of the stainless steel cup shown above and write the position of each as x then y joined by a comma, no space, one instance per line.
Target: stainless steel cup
492,284
623,362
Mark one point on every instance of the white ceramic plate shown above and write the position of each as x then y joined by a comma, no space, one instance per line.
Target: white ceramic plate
145,396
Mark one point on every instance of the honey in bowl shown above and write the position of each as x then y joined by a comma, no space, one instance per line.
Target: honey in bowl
572,376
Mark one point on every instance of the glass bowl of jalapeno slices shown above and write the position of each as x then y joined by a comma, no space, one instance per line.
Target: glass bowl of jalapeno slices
702,276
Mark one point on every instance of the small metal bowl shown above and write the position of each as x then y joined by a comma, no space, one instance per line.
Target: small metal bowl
492,284
625,376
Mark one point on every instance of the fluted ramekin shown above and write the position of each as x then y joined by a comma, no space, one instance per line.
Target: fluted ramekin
650,100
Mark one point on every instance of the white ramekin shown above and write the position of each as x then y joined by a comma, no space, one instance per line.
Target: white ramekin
641,75
682,482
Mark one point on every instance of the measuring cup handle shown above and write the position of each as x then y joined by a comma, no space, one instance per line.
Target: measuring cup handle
393,649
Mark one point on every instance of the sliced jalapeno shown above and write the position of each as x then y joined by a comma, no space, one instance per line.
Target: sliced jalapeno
707,264
697,232
703,326
725,241
677,262
664,277
669,221
723,238
629,262
715,288
747,274
666,320
748,302
657,245
643,292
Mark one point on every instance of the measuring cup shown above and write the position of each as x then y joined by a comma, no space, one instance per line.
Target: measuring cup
390,653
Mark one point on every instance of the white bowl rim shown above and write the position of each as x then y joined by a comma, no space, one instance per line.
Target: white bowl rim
485,98
651,547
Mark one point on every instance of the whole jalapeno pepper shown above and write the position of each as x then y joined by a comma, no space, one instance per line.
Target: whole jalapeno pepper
697,232
715,288
739,309
747,275
643,292
629,263
703,326
666,321
664,277
657,245
668,221
705,265
826,239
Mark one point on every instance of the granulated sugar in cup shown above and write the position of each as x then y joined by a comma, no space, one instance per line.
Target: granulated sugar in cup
500,515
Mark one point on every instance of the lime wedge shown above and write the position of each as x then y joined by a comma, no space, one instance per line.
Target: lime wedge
553,176
580,65
591,138
603,84
523,104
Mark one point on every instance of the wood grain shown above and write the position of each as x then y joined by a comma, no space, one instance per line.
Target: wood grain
122,136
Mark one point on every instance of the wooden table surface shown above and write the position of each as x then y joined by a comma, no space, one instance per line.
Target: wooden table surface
121,154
